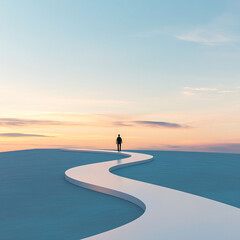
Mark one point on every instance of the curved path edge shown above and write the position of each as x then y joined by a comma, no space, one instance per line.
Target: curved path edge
168,214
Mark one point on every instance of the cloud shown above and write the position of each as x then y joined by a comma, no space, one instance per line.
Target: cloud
151,124
188,93
201,89
192,90
102,121
227,91
123,124
27,122
21,135
160,124
206,37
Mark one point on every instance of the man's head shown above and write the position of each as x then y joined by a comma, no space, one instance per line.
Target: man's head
119,135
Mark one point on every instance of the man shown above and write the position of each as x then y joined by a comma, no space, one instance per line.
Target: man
119,143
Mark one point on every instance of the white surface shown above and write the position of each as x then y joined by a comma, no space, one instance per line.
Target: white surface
169,214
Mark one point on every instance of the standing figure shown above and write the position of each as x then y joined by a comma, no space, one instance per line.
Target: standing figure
119,143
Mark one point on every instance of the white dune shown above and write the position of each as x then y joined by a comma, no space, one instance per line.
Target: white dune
168,214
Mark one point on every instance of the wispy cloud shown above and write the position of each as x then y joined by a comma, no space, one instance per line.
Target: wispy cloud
21,135
191,91
206,37
160,124
227,91
99,121
28,122
123,124
152,124
201,89
187,93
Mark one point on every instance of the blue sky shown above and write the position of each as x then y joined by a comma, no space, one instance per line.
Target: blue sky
158,59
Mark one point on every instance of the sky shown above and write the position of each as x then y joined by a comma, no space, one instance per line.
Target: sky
163,74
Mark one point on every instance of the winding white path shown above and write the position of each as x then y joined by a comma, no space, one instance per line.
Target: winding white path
169,214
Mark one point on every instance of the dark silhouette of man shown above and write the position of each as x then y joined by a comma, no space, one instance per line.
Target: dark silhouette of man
119,143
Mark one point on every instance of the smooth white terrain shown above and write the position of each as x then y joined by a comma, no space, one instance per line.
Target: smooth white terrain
169,214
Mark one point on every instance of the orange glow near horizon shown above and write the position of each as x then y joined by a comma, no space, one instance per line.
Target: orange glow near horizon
100,131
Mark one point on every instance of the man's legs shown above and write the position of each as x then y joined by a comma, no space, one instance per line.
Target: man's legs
118,147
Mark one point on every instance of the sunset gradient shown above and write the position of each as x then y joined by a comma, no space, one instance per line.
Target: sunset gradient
163,74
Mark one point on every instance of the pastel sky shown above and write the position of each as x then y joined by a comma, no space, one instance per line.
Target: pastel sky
164,74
